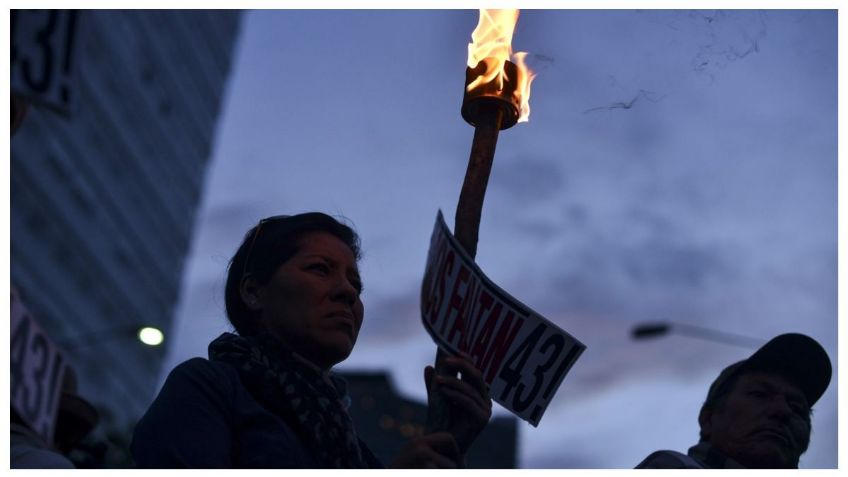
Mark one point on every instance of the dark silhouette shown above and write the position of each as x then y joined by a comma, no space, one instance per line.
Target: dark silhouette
75,419
757,412
267,396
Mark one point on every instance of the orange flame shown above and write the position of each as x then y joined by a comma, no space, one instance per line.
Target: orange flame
491,42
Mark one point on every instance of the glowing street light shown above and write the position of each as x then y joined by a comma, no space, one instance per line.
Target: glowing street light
147,335
657,329
151,336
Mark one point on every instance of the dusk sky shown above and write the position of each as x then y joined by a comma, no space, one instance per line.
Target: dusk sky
677,165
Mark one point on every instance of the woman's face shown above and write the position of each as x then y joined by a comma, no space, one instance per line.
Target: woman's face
311,304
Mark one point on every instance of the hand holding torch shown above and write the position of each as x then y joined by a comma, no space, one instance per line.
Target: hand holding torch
496,97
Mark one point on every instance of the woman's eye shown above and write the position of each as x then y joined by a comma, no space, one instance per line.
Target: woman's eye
321,268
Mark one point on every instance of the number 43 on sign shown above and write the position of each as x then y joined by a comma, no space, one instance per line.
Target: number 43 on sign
37,369
44,56
523,356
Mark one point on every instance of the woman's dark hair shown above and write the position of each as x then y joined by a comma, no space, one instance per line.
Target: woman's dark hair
267,246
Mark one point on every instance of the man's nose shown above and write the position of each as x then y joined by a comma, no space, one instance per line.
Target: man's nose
778,406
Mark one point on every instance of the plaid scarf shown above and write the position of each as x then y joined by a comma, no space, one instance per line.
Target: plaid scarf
298,393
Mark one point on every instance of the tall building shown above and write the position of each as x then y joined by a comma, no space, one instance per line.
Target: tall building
386,420
103,200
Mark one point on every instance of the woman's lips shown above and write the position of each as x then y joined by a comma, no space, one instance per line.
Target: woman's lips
345,319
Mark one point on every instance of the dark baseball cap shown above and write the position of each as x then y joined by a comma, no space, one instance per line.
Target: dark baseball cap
798,358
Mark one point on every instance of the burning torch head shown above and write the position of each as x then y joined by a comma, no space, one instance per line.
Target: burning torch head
483,101
494,85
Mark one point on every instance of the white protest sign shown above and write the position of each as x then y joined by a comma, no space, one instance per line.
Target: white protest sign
523,356
37,369
44,57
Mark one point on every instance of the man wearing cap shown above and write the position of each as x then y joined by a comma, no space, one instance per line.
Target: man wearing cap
757,412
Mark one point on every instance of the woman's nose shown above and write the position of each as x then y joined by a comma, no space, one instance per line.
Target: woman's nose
345,291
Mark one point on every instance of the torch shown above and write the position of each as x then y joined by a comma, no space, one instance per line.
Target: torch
497,93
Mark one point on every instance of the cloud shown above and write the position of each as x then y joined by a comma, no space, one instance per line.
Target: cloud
714,206
394,317
673,265
609,263
529,180
625,441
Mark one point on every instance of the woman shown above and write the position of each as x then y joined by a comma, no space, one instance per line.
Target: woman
266,397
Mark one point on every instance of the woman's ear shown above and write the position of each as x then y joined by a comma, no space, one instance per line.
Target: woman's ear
251,292
705,420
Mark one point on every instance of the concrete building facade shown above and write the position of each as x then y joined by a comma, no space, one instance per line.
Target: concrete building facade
103,200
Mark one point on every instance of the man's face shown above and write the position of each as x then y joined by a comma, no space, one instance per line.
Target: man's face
763,422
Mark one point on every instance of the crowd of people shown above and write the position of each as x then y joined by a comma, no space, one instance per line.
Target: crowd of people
267,396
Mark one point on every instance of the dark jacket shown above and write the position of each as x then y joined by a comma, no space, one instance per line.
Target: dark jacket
204,417
700,456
